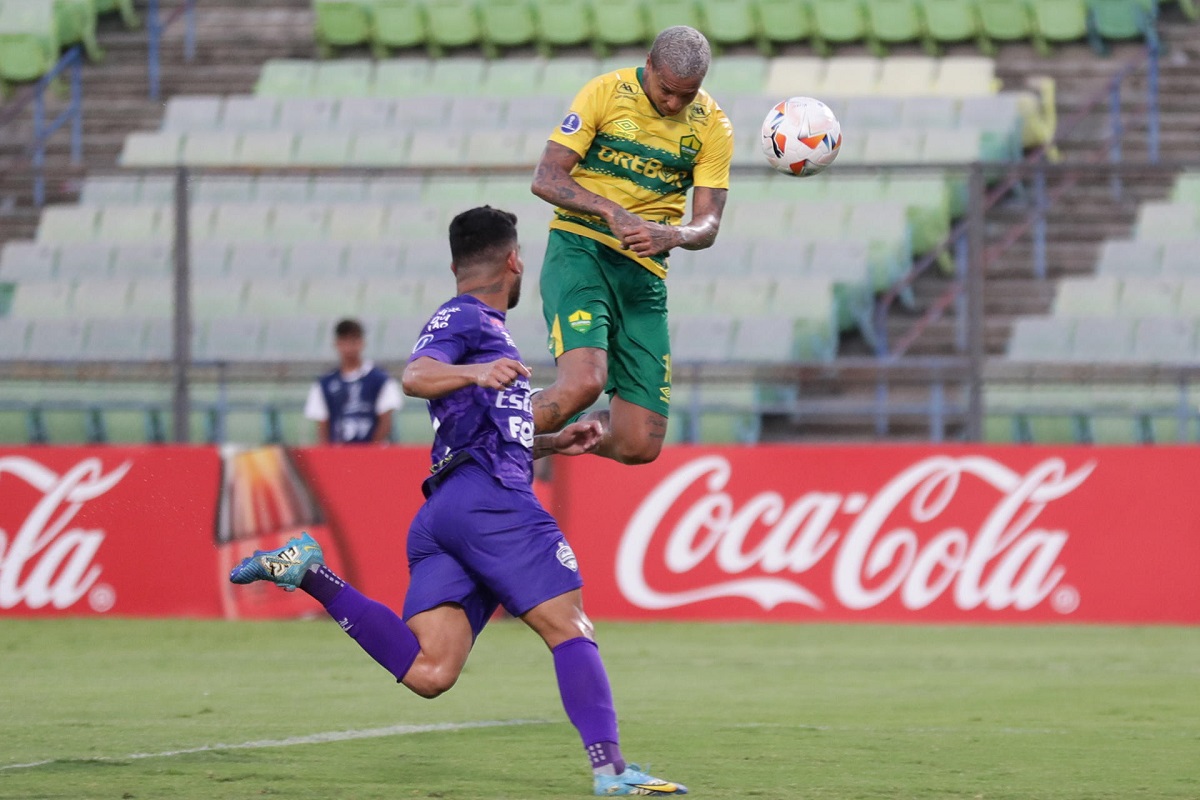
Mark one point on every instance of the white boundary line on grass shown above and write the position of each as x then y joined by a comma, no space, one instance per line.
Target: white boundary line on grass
312,738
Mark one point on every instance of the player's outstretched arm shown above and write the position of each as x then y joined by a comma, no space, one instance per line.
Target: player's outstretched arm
574,440
428,378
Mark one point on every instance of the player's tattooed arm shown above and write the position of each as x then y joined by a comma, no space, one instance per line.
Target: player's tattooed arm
553,183
429,378
652,238
707,207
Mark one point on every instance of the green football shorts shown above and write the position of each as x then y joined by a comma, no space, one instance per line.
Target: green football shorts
592,296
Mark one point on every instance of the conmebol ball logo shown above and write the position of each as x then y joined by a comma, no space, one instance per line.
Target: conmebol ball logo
46,561
895,541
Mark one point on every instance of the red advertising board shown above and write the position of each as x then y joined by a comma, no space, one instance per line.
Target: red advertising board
108,530
915,534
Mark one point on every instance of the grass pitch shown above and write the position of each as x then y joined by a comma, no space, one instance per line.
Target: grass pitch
760,711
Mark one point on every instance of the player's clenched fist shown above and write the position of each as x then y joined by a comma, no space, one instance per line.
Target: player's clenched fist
500,373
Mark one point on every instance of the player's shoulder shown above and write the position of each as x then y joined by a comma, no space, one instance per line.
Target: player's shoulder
453,313
622,81
705,112
326,377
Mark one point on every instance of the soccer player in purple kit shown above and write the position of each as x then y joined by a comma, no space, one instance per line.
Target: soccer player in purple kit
481,539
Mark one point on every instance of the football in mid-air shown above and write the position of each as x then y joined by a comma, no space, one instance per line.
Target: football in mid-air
801,136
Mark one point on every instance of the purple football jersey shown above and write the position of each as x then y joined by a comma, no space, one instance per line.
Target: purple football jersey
492,427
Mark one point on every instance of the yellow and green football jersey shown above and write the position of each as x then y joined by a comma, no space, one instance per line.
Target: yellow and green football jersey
639,159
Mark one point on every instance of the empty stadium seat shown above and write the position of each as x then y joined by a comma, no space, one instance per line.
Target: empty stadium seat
1165,340
894,22
1040,339
1148,298
28,261
837,22
257,260
1101,339
700,339
1087,297
1122,19
111,190
1061,20
1166,221
1120,258
84,260
28,42
192,114
340,23
63,224
951,21
765,339
266,149
1179,258
345,78
396,24
1008,21
56,339
250,113
506,23
285,78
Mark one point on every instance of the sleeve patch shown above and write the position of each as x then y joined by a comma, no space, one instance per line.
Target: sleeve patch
571,123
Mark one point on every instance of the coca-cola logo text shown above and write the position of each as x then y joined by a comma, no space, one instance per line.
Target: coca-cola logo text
897,542
46,562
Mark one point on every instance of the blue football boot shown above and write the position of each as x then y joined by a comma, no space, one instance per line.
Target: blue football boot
635,782
284,566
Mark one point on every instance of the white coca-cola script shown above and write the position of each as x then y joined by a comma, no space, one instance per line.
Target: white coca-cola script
894,541
46,561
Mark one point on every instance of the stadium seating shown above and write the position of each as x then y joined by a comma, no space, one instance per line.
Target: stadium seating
439,25
1141,307
288,122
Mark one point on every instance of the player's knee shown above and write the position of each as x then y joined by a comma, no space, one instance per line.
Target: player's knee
583,383
431,682
637,450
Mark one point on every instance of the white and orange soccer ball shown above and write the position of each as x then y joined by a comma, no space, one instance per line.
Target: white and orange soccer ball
801,136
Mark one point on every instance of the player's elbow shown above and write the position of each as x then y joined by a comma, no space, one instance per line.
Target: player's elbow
541,188
410,381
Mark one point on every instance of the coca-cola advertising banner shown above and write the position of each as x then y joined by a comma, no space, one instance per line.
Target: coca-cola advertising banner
788,533
916,534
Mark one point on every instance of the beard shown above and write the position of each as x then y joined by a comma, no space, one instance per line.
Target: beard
514,293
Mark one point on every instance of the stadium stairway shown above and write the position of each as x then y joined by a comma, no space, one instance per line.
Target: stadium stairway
1077,229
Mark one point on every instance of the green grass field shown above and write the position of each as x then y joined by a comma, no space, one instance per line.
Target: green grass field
762,711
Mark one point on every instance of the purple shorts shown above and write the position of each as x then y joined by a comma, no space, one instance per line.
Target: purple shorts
478,543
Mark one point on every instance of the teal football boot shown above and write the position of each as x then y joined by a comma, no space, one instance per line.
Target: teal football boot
284,566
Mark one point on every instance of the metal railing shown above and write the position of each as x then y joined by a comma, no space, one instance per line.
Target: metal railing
156,26
1031,169
35,95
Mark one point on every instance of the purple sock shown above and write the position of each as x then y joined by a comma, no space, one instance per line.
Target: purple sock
376,628
587,698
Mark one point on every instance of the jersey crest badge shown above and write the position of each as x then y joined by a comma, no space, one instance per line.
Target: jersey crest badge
566,557
581,321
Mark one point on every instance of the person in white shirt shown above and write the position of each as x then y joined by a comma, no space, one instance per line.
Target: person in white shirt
353,403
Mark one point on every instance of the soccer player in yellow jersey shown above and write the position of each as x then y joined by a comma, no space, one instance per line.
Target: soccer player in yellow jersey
617,170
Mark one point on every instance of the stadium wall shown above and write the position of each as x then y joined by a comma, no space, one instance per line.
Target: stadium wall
786,533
